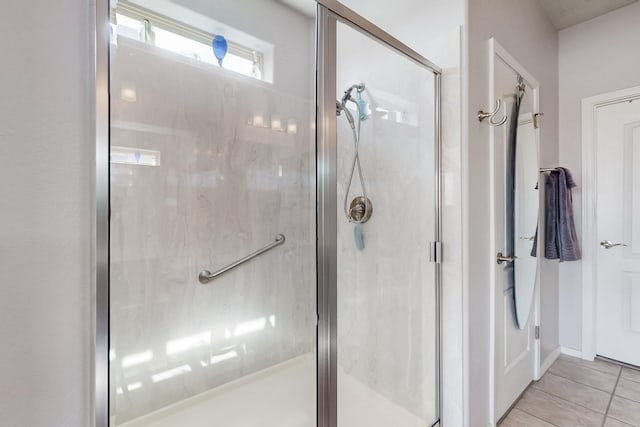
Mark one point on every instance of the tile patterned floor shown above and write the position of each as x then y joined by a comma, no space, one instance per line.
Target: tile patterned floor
577,393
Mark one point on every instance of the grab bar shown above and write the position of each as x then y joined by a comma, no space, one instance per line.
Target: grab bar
206,276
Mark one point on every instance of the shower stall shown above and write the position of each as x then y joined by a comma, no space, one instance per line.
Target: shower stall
268,218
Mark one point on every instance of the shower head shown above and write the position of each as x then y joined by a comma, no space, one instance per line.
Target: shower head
341,105
347,93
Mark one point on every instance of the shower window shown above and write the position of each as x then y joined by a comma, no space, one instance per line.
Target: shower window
132,22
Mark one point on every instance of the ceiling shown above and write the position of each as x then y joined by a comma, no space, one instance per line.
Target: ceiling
306,7
565,13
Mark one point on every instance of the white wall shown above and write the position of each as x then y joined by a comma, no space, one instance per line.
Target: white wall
413,22
524,30
597,56
46,176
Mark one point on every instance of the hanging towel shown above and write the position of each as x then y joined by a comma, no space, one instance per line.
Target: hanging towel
561,240
567,237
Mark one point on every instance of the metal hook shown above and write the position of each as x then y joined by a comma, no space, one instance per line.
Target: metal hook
483,115
500,123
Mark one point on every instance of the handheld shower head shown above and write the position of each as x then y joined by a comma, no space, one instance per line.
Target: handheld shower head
347,93
340,107
349,118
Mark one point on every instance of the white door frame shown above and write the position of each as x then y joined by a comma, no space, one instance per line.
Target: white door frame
589,205
496,53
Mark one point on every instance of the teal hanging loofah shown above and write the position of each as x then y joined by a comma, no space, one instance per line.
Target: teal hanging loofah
358,237
362,106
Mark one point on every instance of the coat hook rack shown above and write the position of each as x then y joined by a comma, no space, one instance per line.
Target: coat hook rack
484,115
536,119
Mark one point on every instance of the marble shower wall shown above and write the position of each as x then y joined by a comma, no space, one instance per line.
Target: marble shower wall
197,183
386,292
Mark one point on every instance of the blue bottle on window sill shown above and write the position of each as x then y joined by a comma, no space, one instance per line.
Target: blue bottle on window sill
219,44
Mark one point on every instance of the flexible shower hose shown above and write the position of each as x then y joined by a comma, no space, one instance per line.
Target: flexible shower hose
355,163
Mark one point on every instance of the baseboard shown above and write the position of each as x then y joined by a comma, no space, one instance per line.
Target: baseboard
546,364
571,352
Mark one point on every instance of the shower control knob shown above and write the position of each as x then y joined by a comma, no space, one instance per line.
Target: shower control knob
360,210
357,212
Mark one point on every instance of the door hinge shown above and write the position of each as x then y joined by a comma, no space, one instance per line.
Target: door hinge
537,332
436,252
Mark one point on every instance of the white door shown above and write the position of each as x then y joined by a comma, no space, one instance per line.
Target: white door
515,348
618,222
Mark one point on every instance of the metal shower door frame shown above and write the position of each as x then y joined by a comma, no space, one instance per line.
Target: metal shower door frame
100,343
329,13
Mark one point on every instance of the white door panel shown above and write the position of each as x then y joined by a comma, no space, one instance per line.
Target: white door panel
618,221
517,342
514,355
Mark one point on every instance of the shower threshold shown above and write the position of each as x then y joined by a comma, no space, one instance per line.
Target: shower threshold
280,396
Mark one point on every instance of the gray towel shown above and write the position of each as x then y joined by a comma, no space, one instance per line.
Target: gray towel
566,237
561,240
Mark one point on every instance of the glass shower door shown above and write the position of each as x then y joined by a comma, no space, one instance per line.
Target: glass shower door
382,200
212,158
387,314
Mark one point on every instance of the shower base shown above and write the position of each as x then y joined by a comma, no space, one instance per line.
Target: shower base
281,396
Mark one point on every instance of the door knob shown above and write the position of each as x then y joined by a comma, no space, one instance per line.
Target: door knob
501,258
608,245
